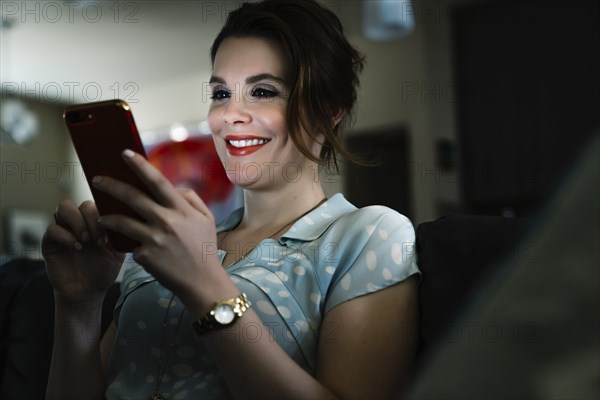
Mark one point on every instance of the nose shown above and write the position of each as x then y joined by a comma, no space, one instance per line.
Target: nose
236,111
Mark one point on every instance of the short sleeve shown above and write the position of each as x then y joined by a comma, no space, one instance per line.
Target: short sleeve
381,252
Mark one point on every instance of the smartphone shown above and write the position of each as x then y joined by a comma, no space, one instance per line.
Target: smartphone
100,132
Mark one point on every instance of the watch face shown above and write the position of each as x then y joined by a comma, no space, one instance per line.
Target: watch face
224,314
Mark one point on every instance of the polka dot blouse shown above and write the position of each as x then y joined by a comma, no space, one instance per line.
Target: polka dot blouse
333,254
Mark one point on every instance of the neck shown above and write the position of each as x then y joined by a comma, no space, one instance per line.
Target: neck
276,208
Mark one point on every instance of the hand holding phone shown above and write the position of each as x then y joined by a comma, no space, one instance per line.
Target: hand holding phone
100,132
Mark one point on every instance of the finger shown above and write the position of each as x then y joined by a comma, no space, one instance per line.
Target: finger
194,200
59,235
90,214
127,226
158,184
130,195
69,217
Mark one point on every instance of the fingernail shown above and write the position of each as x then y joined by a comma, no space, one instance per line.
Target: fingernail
128,153
85,237
78,246
97,179
102,241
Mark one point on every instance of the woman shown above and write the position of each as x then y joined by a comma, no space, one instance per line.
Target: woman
293,296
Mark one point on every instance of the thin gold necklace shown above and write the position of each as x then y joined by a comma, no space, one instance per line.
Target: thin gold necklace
271,235
165,353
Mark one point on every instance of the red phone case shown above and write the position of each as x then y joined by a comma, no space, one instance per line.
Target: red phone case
100,132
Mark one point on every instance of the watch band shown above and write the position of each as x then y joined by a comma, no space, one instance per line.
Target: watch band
209,323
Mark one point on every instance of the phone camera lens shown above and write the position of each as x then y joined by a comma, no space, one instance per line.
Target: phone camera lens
74,117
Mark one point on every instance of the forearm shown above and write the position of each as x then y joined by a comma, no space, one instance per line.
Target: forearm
76,369
252,367
259,368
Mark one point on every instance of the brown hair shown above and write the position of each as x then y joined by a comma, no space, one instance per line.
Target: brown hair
322,65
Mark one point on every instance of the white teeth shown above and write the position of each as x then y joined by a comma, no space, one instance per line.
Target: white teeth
245,143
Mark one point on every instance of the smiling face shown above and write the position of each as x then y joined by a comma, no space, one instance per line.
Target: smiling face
248,115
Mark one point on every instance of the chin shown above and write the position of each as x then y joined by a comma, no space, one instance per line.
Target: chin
245,181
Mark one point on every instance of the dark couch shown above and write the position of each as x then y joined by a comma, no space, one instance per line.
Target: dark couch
27,328
455,253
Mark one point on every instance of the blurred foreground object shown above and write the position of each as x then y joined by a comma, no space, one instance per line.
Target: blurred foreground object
535,327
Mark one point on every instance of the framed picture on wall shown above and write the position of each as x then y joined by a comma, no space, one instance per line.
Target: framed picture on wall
23,230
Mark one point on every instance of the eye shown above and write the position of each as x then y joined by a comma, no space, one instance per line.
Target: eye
220,95
264,93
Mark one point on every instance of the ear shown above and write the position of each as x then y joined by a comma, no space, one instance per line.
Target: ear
338,118
317,145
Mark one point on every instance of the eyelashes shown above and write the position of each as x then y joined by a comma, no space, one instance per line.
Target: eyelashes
265,93
220,95
257,93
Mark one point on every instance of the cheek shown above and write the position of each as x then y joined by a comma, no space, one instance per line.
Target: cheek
275,120
213,120
220,148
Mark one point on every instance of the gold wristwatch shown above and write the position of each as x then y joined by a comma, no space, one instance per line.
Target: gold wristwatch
222,314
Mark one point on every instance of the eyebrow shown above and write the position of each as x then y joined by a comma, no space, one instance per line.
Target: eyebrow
250,79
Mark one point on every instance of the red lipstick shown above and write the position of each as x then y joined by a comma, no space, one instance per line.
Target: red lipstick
243,145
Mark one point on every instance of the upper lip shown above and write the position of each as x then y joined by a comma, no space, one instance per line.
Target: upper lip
244,137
